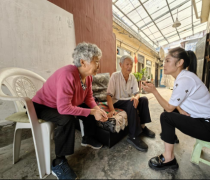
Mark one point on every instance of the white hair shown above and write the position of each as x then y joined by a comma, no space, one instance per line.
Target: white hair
85,51
122,59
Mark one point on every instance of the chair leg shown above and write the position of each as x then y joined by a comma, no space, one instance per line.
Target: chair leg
16,145
46,131
195,158
81,127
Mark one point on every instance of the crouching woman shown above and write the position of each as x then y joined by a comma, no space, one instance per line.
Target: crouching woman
191,96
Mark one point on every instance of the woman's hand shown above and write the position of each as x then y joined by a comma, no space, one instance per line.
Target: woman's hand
149,87
181,111
100,115
111,113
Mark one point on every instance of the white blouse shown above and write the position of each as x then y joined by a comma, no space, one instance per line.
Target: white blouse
190,93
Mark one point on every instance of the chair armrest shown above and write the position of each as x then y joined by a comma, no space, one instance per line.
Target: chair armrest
27,102
13,98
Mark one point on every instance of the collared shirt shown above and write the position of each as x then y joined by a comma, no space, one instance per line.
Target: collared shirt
118,89
191,94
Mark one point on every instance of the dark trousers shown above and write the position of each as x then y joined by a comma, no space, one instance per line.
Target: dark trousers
194,127
136,117
64,133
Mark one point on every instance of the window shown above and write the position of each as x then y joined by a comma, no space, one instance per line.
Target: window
140,62
148,68
140,59
121,51
118,64
149,63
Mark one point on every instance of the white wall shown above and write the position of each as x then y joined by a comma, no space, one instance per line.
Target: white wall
35,35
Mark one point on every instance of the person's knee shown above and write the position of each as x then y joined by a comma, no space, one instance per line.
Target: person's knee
130,105
66,119
144,100
164,116
129,102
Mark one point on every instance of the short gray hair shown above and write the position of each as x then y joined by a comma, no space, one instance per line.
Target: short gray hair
85,51
122,59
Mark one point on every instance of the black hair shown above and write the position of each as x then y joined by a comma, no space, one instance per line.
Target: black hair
193,62
189,57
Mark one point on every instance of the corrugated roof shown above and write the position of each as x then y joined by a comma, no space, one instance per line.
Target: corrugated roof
153,19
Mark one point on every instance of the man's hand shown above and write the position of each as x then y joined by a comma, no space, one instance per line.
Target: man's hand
181,111
111,113
135,101
100,115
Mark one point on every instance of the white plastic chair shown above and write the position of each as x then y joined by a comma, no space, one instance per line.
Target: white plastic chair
81,127
23,85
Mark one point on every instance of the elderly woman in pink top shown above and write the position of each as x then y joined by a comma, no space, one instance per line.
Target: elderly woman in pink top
68,93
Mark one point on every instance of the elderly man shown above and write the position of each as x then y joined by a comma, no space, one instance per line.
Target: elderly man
123,93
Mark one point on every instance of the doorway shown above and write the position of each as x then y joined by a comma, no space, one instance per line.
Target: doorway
156,74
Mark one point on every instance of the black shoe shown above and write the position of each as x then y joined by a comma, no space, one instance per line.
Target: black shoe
157,163
91,142
147,132
138,144
176,140
63,170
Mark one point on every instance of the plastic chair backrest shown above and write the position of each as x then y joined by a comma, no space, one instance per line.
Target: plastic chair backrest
21,83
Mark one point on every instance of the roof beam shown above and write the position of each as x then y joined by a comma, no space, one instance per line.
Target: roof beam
179,32
134,8
153,20
192,17
152,13
134,24
165,18
172,16
141,18
195,8
170,25
164,14
118,21
115,2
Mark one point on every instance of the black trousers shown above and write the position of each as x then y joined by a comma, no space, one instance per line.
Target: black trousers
194,127
64,133
136,117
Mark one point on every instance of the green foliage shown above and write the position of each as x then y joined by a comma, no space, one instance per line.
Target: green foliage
143,71
140,74
151,76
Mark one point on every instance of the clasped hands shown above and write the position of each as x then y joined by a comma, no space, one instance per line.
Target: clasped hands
100,114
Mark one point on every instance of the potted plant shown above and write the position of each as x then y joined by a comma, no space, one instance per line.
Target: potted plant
148,78
152,78
144,73
140,77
